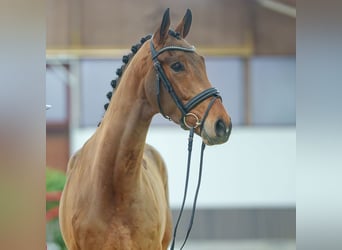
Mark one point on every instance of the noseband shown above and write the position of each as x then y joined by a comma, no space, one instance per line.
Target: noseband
161,77
185,110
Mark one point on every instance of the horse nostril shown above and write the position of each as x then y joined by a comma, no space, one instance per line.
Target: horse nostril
230,129
220,128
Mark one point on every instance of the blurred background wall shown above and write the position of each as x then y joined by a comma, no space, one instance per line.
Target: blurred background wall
248,188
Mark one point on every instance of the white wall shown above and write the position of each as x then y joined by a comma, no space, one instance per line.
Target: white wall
256,168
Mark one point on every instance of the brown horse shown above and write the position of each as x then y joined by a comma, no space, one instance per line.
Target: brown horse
116,195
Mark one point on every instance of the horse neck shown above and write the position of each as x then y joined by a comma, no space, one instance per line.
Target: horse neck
123,130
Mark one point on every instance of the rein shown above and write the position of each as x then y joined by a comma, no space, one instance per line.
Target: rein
191,136
185,110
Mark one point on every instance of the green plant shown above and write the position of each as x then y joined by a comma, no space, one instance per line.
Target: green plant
55,181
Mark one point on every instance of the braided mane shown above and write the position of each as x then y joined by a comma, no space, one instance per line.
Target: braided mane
125,59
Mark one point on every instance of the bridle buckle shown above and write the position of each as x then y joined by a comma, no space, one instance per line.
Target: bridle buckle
197,123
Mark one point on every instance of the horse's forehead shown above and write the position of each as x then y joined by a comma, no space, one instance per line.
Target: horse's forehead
177,42
184,44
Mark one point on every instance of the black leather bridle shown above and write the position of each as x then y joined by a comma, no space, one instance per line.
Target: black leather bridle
161,77
185,110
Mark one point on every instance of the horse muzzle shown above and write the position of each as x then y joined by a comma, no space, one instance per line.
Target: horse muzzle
217,132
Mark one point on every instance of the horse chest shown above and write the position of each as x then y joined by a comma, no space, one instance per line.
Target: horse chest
142,218
149,205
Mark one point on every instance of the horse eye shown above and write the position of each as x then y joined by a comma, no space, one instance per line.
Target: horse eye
177,67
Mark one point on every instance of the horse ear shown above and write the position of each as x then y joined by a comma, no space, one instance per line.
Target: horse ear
184,26
160,35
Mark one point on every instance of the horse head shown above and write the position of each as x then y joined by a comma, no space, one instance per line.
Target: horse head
184,93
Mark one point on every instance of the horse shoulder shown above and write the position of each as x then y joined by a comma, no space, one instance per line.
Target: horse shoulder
73,160
159,162
162,170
